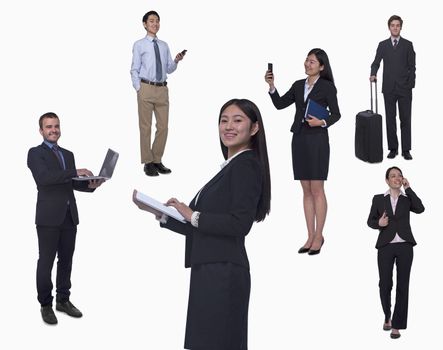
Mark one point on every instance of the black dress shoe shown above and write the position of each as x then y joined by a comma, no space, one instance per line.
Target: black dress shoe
406,155
303,250
395,335
70,309
316,251
386,327
150,169
161,168
48,314
392,154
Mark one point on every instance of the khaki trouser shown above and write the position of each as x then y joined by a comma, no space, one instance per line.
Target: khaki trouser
155,99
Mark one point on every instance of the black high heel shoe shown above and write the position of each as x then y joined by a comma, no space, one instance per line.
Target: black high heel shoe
303,250
316,251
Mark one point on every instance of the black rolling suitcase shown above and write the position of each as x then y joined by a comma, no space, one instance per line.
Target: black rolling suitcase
369,133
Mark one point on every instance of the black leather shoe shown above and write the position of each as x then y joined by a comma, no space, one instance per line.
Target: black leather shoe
316,251
161,168
406,155
150,169
303,250
392,154
386,327
395,335
70,309
48,314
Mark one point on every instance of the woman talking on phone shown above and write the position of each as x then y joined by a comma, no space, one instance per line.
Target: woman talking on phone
310,141
217,222
390,215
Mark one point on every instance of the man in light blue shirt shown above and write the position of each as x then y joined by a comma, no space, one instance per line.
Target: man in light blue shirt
151,62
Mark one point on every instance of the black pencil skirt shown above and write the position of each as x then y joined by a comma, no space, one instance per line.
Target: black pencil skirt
218,307
310,154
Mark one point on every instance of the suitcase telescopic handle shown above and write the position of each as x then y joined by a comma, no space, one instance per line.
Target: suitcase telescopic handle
376,101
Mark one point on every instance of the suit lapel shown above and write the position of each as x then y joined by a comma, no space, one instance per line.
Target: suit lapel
388,205
51,155
69,162
400,204
216,178
204,189
300,92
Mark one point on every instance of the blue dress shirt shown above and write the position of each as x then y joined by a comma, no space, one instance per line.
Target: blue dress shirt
143,61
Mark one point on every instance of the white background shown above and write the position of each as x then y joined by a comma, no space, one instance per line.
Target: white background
74,57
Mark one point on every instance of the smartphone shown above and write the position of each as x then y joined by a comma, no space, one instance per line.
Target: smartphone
270,67
183,52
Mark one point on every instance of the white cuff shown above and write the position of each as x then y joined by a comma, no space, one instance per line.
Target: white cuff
194,218
163,219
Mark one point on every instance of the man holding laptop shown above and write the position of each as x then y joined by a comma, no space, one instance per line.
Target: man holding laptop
53,169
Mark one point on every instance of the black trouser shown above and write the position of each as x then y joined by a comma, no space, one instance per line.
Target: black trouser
404,109
54,240
401,254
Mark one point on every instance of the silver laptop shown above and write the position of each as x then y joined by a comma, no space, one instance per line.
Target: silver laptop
107,168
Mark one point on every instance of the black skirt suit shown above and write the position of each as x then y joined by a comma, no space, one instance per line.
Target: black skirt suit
215,251
310,145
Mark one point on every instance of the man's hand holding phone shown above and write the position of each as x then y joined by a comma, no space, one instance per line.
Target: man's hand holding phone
180,56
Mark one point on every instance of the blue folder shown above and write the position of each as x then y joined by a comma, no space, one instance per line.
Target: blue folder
316,110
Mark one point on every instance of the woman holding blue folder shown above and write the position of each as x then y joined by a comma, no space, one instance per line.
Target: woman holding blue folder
310,141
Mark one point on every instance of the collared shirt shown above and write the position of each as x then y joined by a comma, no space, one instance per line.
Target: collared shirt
143,61
227,161
50,145
392,40
394,201
308,89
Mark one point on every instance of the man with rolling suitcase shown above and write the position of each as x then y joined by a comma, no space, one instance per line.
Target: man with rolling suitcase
398,58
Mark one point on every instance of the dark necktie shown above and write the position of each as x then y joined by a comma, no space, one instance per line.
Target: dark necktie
158,62
57,154
395,43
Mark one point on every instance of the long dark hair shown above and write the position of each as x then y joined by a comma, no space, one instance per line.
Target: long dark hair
258,145
323,59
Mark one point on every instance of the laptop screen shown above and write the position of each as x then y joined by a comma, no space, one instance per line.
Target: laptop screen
109,164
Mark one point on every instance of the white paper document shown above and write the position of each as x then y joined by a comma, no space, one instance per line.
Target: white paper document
153,203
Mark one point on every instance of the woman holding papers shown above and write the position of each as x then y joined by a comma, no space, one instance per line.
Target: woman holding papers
310,141
390,215
217,221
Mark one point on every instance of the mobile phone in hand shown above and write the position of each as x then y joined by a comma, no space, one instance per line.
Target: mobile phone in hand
270,67
184,52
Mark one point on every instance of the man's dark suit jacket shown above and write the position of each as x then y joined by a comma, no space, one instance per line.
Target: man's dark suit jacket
398,222
228,205
323,92
398,65
55,185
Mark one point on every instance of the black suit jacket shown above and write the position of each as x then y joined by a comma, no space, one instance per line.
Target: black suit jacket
398,65
55,185
323,92
398,222
228,205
